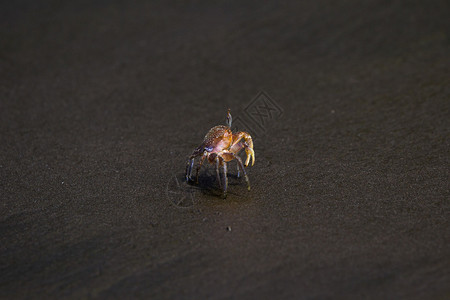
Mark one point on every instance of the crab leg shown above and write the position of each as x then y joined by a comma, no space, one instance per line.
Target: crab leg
217,170
225,180
229,156
241,166
189,166
199,166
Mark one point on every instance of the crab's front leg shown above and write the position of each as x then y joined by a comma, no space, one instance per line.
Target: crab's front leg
243,140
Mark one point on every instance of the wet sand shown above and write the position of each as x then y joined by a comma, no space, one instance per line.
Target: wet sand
101,104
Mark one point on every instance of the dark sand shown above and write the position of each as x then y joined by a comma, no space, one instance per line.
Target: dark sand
101,104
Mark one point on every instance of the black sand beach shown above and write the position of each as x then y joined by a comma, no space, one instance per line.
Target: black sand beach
101,103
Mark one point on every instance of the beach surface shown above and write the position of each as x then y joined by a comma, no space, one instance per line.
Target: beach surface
102,102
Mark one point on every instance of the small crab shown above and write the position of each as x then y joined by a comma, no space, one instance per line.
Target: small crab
220,146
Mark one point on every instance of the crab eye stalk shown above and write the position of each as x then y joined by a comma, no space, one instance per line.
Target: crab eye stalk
229,118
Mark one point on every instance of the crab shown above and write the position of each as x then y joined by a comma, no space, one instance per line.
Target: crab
220,146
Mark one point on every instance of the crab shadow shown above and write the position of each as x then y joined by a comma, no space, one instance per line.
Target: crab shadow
208,183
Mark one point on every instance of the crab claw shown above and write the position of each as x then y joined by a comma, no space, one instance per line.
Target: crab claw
250,154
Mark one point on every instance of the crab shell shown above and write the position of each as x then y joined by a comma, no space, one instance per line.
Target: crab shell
221,138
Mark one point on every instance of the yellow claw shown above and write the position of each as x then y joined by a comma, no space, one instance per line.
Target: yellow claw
250,154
